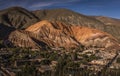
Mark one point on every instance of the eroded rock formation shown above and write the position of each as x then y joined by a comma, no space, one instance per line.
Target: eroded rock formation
56,34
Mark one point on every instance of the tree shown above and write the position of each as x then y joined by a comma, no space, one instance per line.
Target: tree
1,44
28,70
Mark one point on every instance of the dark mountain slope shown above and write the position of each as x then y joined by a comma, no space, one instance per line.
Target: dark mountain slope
17,17
68,16
5,31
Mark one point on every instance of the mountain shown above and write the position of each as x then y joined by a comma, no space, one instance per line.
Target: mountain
57,32
108,20
56,35
57,28
70,17
112,25
17,17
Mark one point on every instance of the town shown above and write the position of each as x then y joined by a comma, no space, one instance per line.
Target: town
58,62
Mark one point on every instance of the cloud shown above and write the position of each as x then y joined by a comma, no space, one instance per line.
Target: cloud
35,4
43,4
50,3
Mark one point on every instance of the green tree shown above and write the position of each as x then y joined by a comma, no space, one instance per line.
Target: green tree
28,70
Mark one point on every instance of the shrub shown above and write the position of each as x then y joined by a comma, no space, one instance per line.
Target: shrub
118,60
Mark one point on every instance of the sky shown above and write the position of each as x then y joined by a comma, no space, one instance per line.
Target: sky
110,8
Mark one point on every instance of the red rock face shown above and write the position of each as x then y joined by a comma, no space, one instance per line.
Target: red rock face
53,34
56,34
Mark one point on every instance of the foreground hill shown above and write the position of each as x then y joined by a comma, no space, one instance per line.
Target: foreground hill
56,34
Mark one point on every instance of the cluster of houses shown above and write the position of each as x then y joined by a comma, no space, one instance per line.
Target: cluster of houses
43,65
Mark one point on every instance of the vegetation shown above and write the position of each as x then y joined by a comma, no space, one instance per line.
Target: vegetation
118,60
1,44
27,70
67,63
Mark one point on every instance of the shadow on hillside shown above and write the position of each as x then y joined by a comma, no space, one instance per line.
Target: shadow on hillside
5,31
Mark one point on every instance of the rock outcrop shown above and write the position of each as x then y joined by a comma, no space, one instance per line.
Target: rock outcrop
18,38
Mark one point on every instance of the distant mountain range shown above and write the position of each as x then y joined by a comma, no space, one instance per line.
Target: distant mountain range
57,28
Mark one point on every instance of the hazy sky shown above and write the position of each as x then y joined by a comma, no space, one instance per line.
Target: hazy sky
109,8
